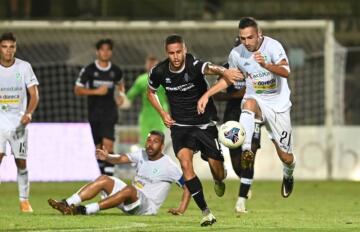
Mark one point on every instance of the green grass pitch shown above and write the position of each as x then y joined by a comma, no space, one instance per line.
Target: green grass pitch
313,206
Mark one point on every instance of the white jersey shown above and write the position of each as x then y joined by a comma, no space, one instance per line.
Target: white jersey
154,178
261,84
14,81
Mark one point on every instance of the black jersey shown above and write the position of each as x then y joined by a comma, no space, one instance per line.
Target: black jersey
232,110
183,89
92,77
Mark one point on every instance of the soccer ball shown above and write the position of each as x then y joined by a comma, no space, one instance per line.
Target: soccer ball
231,134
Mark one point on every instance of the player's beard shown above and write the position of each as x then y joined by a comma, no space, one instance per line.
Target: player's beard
179,66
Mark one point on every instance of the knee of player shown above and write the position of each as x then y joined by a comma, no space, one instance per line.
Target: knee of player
250,104
286,158
20,163
103,178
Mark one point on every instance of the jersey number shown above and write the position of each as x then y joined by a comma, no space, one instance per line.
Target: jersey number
284,135
22,148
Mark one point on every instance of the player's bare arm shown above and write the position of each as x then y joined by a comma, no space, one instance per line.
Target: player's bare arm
82,91
120,90
34,100
154,100
231,74
219,86
282,68
185,199
103,154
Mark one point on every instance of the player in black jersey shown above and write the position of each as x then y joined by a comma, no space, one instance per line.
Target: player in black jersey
102,82
182,76
233,95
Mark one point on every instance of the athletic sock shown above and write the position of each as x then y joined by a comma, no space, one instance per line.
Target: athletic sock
288,169
23,184
247,120
92,208
74,199
195,188
245,185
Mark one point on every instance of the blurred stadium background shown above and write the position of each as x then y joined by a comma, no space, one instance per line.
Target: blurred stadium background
57,37
322,39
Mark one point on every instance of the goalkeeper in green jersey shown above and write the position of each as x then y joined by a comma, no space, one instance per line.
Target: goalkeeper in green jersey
149,119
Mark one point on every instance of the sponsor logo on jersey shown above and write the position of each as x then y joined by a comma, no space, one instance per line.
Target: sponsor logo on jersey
98,83
246,64
96,74
168,80
258,75
181,88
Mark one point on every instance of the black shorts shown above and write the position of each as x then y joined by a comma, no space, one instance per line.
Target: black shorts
196,139
102,129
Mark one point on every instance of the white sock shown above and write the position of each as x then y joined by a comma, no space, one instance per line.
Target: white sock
241,200
288,169
74,199
247,120
23,184
92,208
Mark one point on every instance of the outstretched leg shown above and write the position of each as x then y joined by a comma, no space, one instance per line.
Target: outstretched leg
288,160
87,192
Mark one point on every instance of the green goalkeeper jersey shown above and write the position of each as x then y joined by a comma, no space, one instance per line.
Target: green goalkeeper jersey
149,118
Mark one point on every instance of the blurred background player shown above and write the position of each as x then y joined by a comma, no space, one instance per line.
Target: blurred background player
148,119
233,97
154,175
183,78
102,82
16,80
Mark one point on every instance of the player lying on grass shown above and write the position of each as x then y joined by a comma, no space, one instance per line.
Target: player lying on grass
154,175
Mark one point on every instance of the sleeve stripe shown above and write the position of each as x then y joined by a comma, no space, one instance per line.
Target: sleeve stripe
203,67
151,87
32,84
79,84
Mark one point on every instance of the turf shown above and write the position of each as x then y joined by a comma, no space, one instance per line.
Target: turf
314,206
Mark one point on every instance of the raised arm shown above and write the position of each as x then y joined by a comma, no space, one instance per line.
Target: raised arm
103,154
281,68
231,74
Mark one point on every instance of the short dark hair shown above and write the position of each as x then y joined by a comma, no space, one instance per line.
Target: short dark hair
101,42
8,36
171,39
158,133
248,22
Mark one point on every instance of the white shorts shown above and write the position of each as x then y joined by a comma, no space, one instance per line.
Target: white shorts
141,207
17,140
278,126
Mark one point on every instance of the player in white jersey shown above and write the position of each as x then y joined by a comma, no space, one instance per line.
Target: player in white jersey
265,66
154,175
16,79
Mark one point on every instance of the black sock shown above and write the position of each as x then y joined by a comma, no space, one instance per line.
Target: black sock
195,188
245,183
244,190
